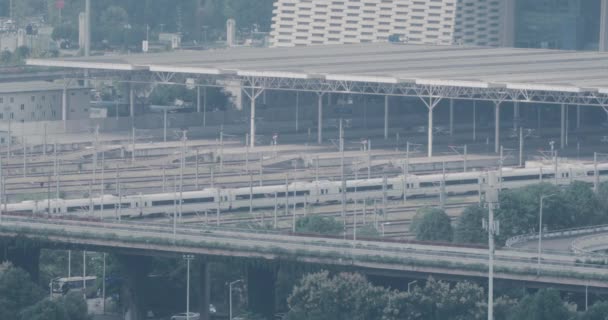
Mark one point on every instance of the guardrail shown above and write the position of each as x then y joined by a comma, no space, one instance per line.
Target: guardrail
166,232
565,233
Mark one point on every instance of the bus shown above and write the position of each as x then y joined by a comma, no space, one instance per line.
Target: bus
62,286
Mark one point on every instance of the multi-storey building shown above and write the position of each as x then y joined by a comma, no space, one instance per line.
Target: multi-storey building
309,22
42,101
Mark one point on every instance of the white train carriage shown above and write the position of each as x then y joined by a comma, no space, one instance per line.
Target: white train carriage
191,201
316,192
267,196
325,191
126,207
371,188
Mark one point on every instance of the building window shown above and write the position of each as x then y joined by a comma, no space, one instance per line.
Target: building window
1,115
11,99
1,100
12,115
22,107
33,98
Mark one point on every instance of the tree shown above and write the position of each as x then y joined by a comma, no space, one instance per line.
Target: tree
438,300
469,228
431,224
248,13
368,231
319,224
6,57
519,210
598,311
17,291
583,206
546,304
319,296
75,306
45,310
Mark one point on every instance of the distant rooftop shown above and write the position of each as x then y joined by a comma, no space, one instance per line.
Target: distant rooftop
33,86
473,67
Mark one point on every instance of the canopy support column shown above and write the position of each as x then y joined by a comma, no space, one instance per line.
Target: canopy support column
320,118
451,117
430,100
385,117
253,95
131,101
64,104
297,111
578,116
515,115
198,99
563,127
496,126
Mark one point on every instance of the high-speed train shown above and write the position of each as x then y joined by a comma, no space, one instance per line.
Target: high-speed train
315,192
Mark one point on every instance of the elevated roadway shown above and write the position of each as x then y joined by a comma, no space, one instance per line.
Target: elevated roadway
393,258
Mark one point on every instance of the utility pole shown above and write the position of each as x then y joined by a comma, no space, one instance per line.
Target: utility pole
165,125
343,187
133,146
95,152
521,146
56,170
44,141
222,148
196,177
493,228
181,173
24,156
102,187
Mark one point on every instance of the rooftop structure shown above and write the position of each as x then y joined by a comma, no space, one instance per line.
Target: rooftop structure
429,72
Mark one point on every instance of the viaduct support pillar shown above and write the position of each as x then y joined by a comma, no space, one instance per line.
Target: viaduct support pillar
135,269
23,256
603,43
261,290
320,118
385,117
496,126
205,287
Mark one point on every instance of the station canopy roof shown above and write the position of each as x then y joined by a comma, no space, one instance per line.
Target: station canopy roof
459,66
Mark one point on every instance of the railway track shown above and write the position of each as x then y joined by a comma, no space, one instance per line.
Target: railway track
396,220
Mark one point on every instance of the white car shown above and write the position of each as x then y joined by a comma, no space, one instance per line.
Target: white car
184,316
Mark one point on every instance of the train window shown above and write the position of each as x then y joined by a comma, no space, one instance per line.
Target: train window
548,176
198,200
603,172
520,178
74,209
163,203
427,184
363,188
302,193
459,182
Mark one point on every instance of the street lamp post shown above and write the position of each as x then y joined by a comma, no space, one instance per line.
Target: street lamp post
409,284
230,296
188,258
540,230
